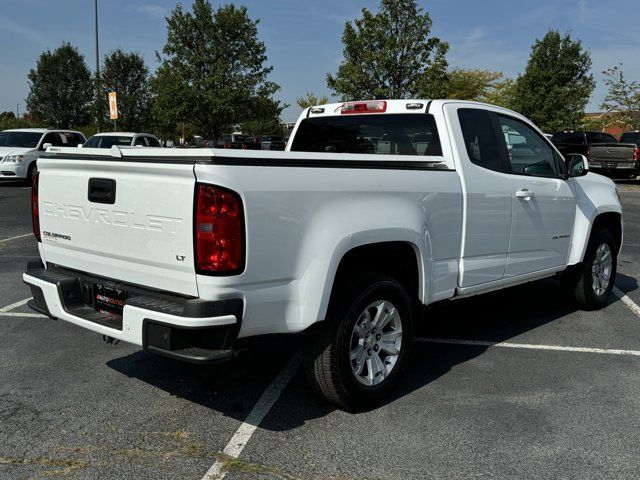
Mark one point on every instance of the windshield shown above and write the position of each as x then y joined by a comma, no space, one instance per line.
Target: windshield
393,134
107,141
630,137
20,139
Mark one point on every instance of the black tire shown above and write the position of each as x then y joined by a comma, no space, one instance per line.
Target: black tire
31,171
580,281
326,359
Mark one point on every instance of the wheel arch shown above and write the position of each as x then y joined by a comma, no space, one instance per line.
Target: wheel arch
400,259
611,220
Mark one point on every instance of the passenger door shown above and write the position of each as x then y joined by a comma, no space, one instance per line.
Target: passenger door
543,205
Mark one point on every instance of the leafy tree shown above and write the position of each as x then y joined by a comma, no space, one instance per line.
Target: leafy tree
556,85
623,98
502,94
60,88
212,71
390,54
128,76
9,120
472,84
310,99
265,119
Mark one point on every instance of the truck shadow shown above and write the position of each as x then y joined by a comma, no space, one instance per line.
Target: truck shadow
232,389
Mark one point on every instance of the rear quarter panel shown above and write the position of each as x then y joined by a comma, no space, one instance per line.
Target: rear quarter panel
300,221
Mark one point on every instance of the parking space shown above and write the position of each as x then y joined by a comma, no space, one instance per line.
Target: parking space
558,399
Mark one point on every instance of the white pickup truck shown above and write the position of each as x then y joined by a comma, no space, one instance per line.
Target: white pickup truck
375,209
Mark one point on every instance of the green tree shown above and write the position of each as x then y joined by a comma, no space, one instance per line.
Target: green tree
212,71
9,120
128,76
390,54
60,88
502,94
472,84
310,99
623,97
556,85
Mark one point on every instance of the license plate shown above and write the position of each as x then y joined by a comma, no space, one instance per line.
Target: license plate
110,300
611,165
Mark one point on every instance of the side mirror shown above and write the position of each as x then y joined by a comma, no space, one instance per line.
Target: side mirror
80,145
577,165
46,145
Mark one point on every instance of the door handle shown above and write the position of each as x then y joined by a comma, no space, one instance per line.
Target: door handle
524,193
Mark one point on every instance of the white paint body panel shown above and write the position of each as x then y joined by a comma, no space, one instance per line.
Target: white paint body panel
468,235
136,239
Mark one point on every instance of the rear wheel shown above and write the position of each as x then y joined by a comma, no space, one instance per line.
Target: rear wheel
594,280
356,358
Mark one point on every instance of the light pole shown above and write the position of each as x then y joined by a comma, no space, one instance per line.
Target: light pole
98,107
17,110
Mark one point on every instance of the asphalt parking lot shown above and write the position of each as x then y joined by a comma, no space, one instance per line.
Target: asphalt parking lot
557,397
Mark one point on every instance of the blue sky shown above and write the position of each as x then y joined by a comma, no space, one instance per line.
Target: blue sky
303,36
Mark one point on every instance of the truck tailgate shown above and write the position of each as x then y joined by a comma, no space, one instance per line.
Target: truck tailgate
120,220
612,152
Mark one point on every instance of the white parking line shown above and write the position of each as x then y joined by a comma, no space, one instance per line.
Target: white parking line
255,417
18,314
8,308
624,298
528,346
15,238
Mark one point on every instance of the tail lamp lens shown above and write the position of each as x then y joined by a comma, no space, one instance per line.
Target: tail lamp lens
35,211
219,236
636,154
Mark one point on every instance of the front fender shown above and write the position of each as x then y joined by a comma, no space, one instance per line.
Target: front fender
595,195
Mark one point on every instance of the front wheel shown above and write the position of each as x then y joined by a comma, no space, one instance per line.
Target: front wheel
356,357
31,172
595,278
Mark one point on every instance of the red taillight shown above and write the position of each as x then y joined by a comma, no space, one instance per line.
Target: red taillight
373,106
35,211
636,154
218,231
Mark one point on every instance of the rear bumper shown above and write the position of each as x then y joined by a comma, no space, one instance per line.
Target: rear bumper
624,171
192,330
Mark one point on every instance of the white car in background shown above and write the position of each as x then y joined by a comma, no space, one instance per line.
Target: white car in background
20,148
122,139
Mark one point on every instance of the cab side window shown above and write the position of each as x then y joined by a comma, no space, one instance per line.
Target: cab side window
529,153
153,142
140,142
480,139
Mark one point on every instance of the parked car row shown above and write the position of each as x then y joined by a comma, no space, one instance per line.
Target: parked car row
250,142
606,155
20,148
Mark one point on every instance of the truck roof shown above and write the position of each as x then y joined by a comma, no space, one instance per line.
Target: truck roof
419,105
40,130
118,134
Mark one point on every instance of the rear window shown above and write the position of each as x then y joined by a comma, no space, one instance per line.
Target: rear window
630,137
107,141
392,134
